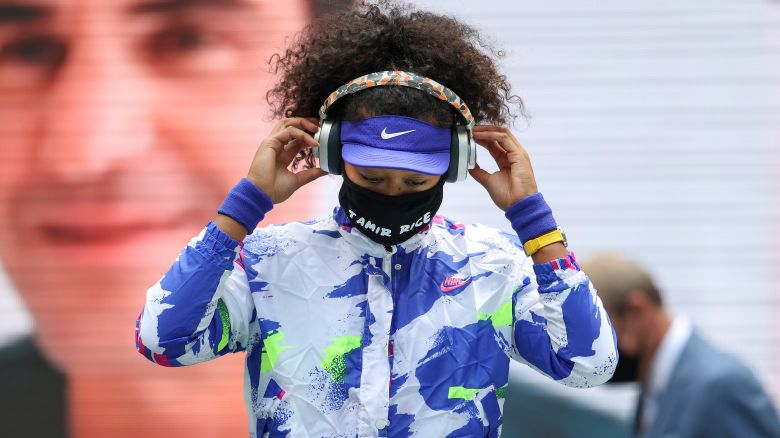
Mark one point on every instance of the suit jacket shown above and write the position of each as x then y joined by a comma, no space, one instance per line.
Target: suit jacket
32,393
711,394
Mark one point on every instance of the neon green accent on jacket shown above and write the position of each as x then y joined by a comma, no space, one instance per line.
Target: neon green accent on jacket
335,362
501,317
224,316
461,392
271,349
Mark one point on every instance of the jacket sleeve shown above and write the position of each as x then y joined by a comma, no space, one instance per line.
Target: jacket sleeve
560,327
201,308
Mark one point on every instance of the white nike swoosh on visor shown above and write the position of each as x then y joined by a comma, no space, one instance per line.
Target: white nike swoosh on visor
386,136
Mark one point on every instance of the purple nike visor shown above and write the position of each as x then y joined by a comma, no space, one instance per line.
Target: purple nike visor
396,142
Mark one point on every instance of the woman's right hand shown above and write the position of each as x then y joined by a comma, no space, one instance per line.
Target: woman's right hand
270,169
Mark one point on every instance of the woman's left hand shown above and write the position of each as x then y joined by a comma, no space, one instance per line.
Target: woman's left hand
514,179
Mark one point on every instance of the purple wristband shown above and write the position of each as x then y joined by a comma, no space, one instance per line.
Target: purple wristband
246,204
531,217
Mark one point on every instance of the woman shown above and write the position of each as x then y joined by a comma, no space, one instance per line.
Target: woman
382,319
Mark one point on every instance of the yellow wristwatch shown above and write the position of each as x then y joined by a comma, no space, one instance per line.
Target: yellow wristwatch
534,245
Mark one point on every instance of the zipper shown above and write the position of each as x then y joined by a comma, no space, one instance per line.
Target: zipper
387,266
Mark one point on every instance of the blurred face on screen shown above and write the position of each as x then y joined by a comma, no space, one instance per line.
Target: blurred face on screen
123,123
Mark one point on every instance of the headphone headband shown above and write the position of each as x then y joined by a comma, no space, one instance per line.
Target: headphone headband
405,79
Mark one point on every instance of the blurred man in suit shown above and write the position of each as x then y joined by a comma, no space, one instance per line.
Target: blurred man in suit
122,123
689,388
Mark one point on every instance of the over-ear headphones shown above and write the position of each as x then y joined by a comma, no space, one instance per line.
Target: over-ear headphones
463,151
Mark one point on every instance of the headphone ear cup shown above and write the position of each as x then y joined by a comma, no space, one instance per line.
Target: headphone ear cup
452,172
468,148
336,164
462,154
329,150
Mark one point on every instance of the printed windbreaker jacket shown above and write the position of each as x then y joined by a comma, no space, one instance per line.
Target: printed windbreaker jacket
345,338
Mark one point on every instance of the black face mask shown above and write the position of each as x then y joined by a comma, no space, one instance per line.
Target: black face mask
627,369
389,220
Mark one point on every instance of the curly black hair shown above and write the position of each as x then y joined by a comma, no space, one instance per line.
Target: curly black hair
383,35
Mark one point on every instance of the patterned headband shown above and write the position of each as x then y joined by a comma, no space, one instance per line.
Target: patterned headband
405,79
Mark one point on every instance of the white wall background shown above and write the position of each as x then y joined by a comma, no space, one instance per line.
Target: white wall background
654,131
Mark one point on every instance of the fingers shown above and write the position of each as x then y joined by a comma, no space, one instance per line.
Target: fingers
290,150
306,176
281,147
286,136
479,174
309,124
495,128
299,143
497,138
505,140
496,151
499,134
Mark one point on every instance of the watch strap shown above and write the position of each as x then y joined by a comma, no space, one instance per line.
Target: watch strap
548,238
